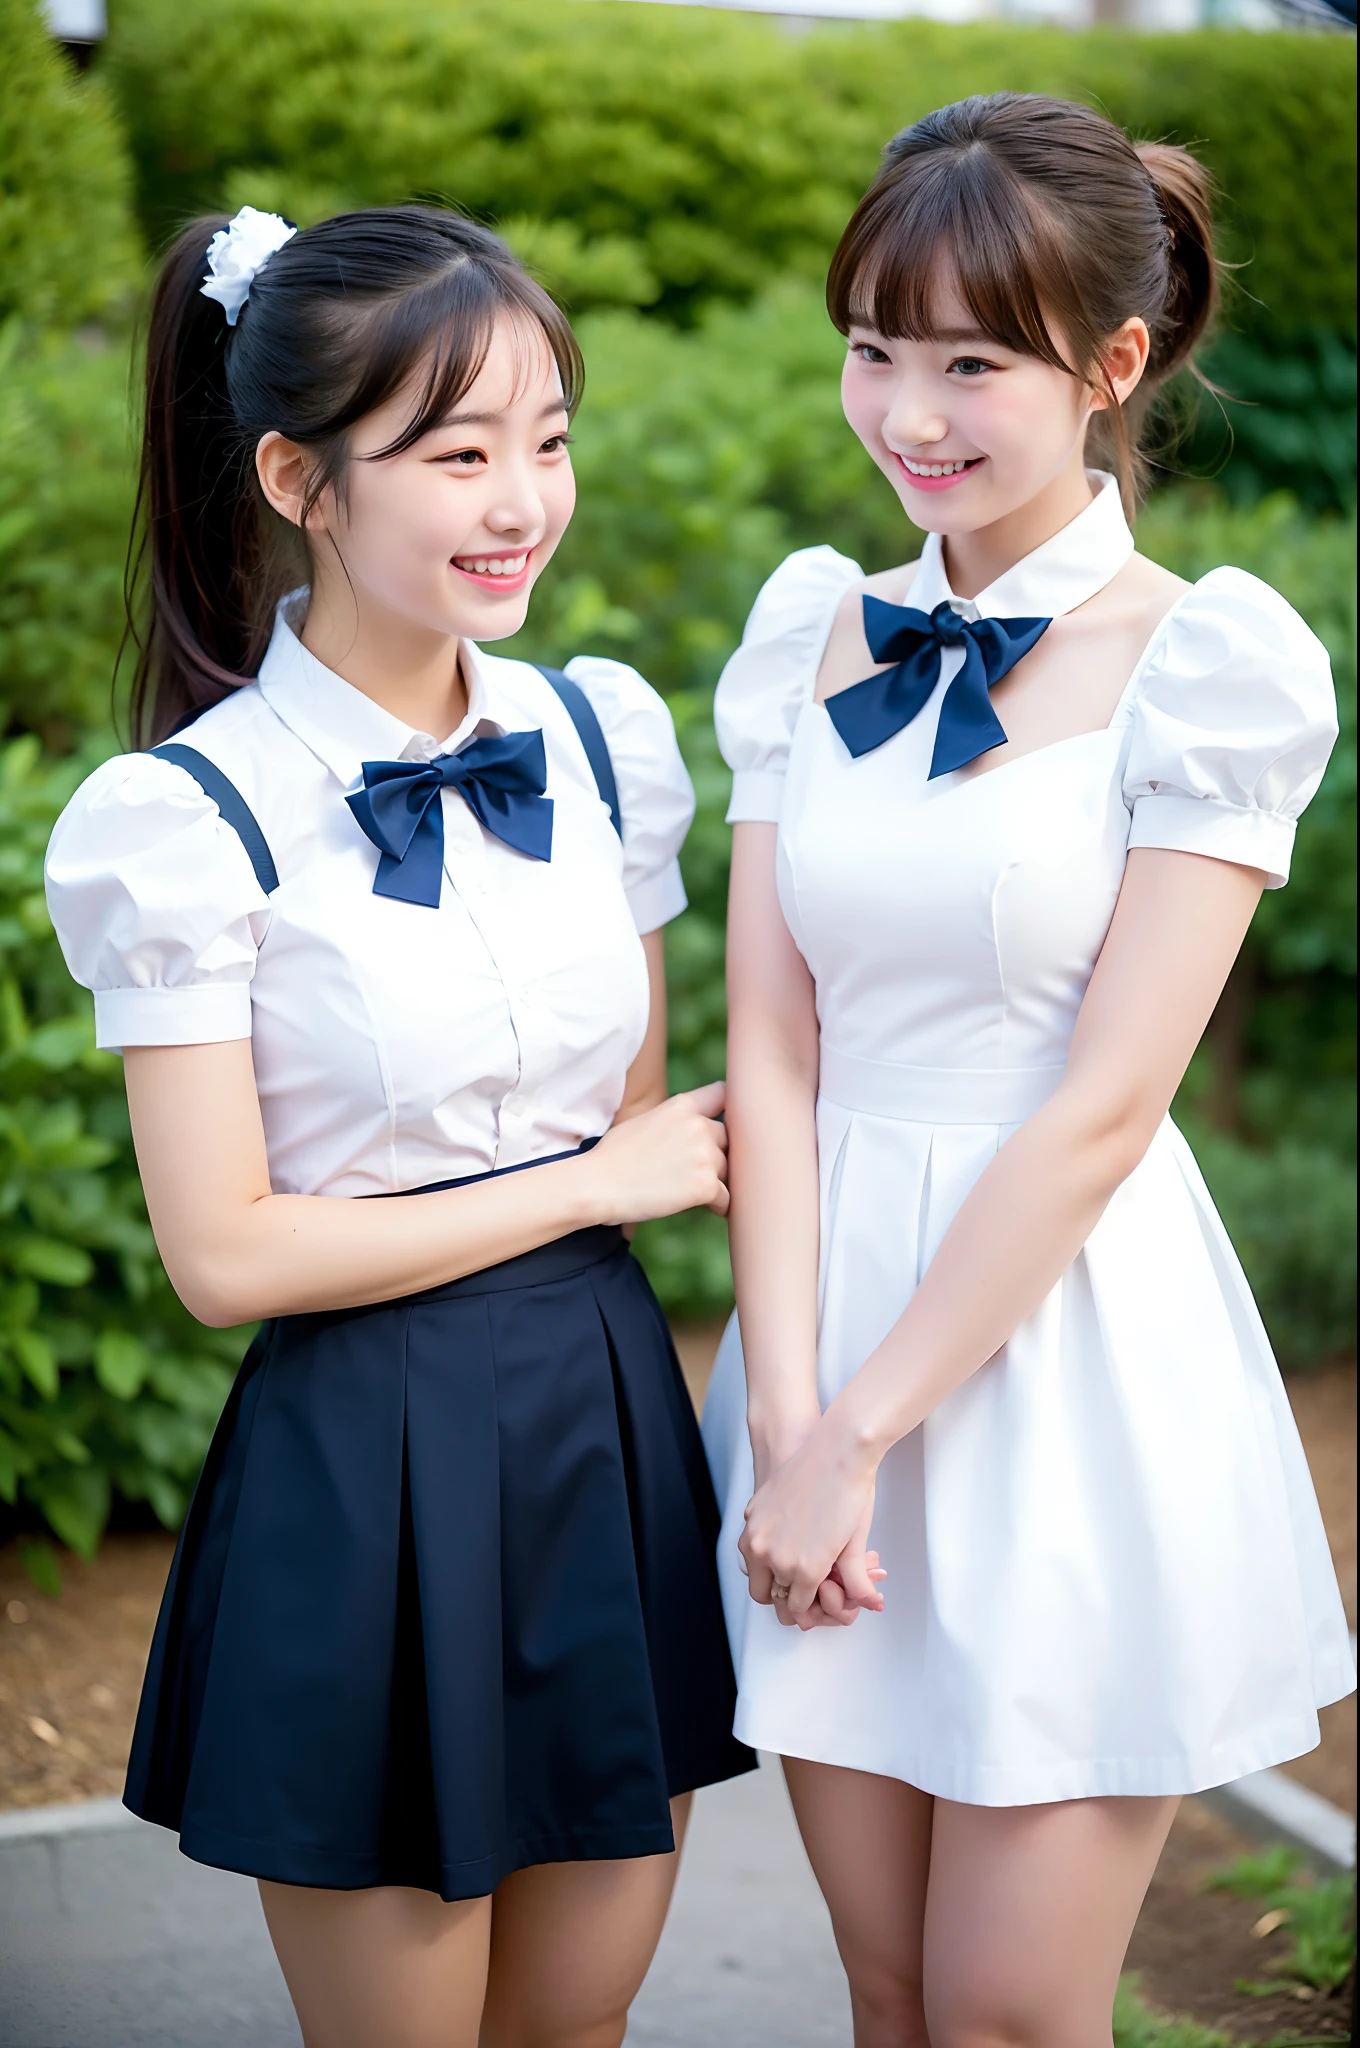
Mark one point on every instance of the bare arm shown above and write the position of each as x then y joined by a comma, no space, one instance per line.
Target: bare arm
772,1056
1177,928
236,1251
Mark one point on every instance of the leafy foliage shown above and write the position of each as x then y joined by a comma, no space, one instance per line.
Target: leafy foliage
694,156
105,1381
1319,1917
65,507
68,248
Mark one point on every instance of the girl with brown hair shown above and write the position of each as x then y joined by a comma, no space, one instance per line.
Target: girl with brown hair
1002,817
378,914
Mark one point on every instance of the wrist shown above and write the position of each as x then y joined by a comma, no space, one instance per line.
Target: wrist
858,1439
777,1433
588,1193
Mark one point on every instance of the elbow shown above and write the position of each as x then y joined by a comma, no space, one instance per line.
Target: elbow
216,1293
1111,1132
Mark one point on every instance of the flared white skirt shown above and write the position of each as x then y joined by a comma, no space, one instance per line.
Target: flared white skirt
1108,1574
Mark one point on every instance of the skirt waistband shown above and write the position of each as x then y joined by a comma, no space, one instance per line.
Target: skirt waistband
935,1095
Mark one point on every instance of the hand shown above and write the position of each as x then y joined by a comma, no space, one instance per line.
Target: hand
663,1160
809,1519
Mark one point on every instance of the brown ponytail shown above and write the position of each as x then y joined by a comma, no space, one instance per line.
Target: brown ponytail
1185,198
1050,220
336,323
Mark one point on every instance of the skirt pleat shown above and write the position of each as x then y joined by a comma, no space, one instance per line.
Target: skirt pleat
445,1604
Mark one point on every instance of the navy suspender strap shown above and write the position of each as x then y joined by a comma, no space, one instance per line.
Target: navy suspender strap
233,807
237,812
581,712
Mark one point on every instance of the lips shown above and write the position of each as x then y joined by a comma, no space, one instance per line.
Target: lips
938,476
499,572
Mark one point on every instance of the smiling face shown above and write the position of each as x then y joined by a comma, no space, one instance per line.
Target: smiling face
966,431
447,537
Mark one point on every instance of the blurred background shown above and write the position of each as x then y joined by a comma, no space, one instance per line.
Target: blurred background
678,176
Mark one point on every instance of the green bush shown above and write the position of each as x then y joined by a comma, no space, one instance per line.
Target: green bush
66,480
651,155
68,249
105,1381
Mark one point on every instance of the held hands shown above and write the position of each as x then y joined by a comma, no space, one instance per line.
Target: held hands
663,1160
806,1529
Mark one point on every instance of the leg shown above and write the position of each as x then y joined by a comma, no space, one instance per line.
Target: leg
571,1944
868,1840
387,1968
1028,1915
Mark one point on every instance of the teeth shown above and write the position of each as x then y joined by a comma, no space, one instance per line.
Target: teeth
934,468
497,565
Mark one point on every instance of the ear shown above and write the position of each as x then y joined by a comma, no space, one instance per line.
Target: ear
284,470
1124,359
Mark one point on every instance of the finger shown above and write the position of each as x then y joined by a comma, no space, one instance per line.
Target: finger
832,1601
853,1573
721,1202
709,1101
802,1593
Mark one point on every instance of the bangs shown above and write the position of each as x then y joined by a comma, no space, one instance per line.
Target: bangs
445,322
451,324
951,219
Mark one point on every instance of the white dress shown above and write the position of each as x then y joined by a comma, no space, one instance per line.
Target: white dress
1108,1573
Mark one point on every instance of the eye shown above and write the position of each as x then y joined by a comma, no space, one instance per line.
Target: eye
464,458
970,366
556,444
868,353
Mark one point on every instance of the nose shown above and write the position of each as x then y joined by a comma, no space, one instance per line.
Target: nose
914,420
517,509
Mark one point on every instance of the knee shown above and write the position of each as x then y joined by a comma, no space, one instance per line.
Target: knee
550,2034
992,2029
888,2011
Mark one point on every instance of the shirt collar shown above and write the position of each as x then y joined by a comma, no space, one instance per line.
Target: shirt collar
339,724
1064,572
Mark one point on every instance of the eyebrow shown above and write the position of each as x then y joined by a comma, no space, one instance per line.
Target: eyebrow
491,419
948,334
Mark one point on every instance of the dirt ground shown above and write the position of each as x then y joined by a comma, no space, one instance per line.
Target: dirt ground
70,1670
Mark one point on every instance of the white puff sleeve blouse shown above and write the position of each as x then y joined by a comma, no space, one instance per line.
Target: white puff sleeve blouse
394,1044
1232,722
156,905
773,674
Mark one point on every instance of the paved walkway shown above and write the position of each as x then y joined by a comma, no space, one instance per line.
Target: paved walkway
109,1938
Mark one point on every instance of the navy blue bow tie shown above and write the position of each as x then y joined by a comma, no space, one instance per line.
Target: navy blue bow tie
872,711
399,807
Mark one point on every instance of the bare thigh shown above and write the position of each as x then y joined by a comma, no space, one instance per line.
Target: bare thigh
571,1944
868,1840
387,1968
1029,1911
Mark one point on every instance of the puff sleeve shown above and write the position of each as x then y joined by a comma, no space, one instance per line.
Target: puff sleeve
772,675
1233,720
156,906
656,797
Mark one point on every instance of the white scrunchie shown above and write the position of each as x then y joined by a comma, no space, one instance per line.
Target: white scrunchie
238,253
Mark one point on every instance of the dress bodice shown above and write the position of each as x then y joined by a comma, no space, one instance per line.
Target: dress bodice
954,923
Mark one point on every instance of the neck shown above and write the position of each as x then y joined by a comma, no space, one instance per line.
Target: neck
972,561
412,671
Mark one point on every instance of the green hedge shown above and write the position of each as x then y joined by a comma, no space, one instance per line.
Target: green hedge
686,155
105,1381
65,508
68,249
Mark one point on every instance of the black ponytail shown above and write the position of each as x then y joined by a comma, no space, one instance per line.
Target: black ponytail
336,322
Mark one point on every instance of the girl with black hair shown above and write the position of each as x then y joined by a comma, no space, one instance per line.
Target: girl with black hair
1003,815
376,914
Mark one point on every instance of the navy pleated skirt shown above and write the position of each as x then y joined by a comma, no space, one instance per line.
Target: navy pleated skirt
445,1603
